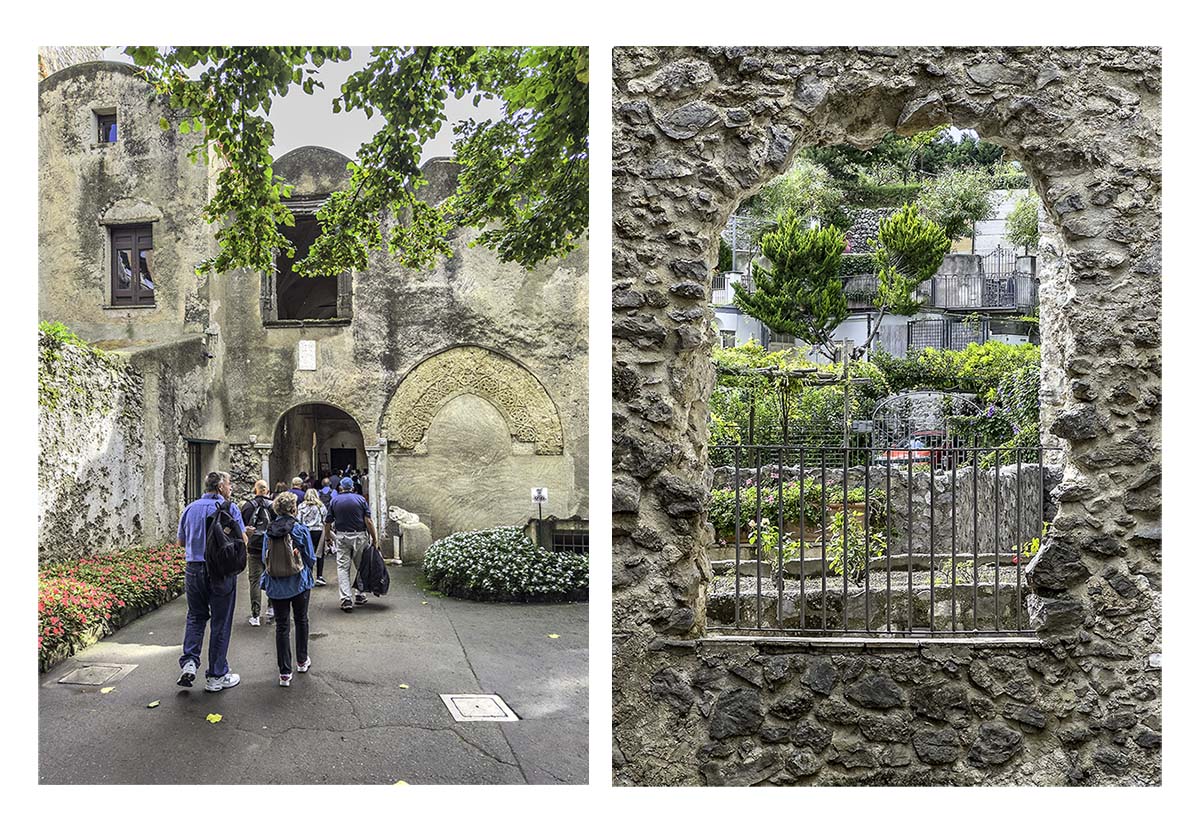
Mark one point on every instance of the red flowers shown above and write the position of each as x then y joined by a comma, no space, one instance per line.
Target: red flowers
76,598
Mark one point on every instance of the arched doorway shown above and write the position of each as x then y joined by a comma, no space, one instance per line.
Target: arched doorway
315,437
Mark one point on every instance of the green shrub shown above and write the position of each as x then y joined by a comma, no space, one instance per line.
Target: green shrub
853,264
504,564
846,547
870,195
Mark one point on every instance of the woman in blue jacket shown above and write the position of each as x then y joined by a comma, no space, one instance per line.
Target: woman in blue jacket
289,595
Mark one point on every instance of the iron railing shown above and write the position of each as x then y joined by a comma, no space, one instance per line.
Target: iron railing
1009,292
896,542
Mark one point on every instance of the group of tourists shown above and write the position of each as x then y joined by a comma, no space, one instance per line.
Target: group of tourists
286,538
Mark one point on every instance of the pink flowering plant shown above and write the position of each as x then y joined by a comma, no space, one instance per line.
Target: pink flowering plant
78,597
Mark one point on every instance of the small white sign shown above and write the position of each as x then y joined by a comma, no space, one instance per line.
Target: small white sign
540,496
306,354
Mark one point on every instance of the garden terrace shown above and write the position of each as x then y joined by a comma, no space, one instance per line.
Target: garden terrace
850,541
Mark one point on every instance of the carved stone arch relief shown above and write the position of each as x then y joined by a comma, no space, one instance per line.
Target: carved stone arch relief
515,392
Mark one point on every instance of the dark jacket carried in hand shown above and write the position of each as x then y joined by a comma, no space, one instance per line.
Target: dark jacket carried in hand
372,573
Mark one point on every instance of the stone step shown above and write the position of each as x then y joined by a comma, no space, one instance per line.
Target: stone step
957,602
811,566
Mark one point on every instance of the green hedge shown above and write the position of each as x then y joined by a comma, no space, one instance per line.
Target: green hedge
853,264
504,564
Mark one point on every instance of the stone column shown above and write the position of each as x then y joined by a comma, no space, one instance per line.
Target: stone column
376,477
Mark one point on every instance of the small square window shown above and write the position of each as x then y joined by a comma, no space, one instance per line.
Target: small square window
106,127
728,338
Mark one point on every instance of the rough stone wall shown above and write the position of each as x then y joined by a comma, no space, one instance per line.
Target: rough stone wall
698,130
943,714
111,459
864,226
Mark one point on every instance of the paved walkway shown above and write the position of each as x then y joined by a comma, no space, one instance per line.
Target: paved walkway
348,721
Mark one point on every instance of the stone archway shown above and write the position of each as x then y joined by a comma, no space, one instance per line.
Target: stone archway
698,130
469,431
315,437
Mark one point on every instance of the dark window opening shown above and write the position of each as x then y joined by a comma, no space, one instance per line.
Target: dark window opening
574,542
728,338
201,456
106,127
132,263
299,297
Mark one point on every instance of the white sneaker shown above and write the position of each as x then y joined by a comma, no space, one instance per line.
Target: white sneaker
187,674
320,581
304,666
270,612
222,682
285,680
254,621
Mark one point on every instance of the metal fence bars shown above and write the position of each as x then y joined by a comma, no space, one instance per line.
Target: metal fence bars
892,542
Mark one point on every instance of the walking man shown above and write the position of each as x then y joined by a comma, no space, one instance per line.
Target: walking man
207,598
257,515
350,518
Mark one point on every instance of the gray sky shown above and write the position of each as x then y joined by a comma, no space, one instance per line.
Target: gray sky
301,119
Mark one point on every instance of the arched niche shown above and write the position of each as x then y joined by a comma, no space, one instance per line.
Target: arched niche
531,417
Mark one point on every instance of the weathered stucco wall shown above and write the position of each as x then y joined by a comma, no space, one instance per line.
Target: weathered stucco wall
696,131
399,318
402,318
111,458
145,176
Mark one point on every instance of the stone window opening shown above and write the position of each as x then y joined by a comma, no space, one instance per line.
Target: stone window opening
291,298
694,115
105,124
131,265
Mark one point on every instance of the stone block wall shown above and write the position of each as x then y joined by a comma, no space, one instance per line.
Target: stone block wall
698,130
938,714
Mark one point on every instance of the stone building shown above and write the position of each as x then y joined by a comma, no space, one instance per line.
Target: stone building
458,388
1079,701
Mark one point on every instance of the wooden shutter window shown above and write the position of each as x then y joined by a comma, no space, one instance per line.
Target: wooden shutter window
132,261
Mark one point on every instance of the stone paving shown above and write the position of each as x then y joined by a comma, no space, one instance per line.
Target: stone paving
349,720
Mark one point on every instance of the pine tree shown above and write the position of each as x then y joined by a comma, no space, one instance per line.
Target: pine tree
800,292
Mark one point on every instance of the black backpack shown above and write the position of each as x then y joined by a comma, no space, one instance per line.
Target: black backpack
262,515
224,549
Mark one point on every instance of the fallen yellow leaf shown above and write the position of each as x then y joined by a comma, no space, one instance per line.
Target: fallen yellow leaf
106,690
152,704
404,686
213,718
424,602
401,782
552,636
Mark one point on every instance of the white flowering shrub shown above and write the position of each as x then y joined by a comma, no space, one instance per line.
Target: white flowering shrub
504,564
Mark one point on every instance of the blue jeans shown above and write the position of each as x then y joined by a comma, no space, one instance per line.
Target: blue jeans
208,599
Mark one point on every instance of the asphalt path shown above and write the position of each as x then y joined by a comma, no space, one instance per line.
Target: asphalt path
368,712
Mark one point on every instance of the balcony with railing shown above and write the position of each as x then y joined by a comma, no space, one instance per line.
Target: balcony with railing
999,282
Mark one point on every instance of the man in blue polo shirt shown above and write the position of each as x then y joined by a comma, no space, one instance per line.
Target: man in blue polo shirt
350,519
207,598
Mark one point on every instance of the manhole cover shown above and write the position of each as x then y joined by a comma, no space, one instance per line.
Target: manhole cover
97,675
466,707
